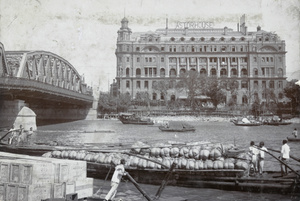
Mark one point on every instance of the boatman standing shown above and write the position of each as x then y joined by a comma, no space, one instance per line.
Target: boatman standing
115,180
295,133
261,157
285,156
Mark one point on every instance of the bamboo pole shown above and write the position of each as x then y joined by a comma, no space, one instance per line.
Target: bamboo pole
138,187
165,181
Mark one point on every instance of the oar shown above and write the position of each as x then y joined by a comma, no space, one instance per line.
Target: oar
278,160
293,157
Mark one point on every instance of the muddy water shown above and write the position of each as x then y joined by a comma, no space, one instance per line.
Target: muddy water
113,131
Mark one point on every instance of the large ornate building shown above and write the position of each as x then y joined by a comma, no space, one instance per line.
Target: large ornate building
254,60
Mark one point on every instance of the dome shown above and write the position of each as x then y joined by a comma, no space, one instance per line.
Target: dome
124,20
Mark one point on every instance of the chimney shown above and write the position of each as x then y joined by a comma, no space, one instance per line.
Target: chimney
225,30
246,31
258,28
238,27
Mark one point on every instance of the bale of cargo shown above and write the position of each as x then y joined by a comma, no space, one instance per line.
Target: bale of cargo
137,146
182,163
218,164
108,158
134,161
215,154
142,164
190,165
72,154
174,152
165,152
47,155
200,164
209,164
64,154
241,165
167,162
244,156
184,152
229,163
100,158
158,166
195,153
144,151
155,152
204,154
88,157
151,164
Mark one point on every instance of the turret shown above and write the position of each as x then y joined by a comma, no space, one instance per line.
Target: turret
124,32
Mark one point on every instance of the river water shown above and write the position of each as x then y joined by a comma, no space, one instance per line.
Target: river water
113,131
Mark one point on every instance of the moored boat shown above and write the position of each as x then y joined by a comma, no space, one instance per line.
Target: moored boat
277,123
177,127
292,139
128,118
239,123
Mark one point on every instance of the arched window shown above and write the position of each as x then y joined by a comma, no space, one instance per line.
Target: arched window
242,39
172,39
255,72
233,39
280,95
182,71
223,72
202,39
203,71
162,72
213,72
222,39
193,69
192,39
244,72
256,98
233,72
234,98
162,96
127,72
280,72
244,99
212,39
172,73
182,39
138,72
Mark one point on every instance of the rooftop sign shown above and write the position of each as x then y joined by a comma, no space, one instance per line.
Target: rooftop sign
194,25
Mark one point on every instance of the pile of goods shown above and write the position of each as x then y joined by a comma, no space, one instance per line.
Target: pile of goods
196,157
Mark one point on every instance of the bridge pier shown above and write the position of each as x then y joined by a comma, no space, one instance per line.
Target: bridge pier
9,111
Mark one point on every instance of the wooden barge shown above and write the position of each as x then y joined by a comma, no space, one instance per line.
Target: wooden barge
224,179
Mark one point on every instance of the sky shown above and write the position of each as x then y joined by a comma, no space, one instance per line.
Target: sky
84,32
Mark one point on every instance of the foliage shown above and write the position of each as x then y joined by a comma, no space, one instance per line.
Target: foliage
292,92
111,104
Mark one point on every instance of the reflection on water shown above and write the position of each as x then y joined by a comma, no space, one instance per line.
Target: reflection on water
113,131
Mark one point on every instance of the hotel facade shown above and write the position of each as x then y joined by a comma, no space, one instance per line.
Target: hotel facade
254,60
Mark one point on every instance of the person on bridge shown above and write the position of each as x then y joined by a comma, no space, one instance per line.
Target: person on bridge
115,180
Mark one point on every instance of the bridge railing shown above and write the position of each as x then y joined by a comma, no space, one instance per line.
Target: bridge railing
23,83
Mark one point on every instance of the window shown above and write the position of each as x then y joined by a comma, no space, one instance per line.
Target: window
256,84
223,49
264,84
254,59
244,85
138,72
181,39
162,59
154,96
233,49
182,49
271,84
255,72
127,84
138,59
193,49
244,99
280,95
233,39
146,85
212,39
138,84
272,60
127,72
137,49
146,59
162,48
174,49
222,39
150,59
127,59
280,86
150,49
267,59
162,97
127,48
172,39
192,39
202,39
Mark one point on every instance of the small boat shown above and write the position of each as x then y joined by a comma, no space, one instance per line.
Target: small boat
128,118
277,123
292,139
174,126
240,123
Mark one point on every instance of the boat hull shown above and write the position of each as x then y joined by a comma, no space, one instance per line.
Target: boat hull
220,179
293,139
247,124
162,128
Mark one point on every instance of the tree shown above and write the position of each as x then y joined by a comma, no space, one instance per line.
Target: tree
143,97
292,92
162,87
211,87
190,82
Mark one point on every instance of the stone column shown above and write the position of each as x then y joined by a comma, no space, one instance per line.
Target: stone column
167,69
238,67
218,67
228,67
197,65
177,67
207,66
